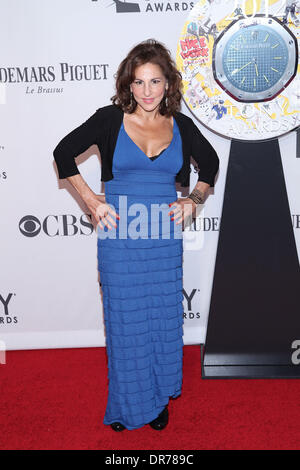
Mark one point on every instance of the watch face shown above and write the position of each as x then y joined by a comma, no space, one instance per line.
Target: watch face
254,62
239,65
246,64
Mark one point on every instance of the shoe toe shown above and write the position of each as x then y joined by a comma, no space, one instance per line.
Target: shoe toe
117,427
161,421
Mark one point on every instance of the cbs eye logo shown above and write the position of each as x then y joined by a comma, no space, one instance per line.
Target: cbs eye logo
30,226
63,225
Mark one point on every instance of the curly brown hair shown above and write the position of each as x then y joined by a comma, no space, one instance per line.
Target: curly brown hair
154,52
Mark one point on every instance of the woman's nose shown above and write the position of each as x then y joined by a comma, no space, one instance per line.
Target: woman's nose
147,89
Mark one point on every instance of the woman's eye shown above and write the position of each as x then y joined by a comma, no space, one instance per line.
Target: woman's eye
139,82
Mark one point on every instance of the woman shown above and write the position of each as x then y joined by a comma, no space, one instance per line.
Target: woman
145,145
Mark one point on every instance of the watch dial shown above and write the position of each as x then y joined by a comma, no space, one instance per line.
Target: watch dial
255,58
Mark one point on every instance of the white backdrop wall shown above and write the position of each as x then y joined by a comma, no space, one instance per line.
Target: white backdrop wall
49,292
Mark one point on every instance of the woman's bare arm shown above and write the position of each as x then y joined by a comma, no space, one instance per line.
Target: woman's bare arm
96,203
184,208
201,189
82,188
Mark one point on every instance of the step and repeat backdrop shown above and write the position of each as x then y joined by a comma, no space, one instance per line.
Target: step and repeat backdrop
57,66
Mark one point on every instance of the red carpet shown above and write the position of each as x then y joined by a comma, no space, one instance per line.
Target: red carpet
55,399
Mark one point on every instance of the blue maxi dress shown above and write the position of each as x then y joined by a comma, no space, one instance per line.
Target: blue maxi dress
141,279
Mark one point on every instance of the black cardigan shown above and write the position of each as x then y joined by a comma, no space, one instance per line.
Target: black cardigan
102,128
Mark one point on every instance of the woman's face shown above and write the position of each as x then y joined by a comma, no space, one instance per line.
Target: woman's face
148,86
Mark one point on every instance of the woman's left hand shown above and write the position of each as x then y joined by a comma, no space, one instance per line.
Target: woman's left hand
182,209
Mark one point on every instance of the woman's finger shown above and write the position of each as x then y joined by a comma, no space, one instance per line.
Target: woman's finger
105,220
104,210
177,214
175,207
183,213
111,220
112,212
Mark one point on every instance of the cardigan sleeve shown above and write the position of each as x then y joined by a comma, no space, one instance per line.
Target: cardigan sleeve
205,156
73,144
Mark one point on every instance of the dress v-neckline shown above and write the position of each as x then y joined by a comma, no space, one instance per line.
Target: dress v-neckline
160,153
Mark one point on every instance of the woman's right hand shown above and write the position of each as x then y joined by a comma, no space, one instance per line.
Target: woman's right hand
102,212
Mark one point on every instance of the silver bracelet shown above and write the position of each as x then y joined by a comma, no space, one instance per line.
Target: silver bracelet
196,196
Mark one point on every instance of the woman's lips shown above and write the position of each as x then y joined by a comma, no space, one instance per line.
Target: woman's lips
150,100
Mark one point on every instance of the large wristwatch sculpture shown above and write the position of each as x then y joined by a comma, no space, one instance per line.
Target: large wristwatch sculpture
240,68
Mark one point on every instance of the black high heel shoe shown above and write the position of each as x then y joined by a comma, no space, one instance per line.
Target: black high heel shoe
117,427
161,421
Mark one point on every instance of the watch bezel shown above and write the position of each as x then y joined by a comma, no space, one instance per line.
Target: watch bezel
255,97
